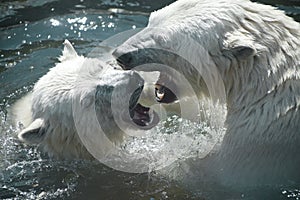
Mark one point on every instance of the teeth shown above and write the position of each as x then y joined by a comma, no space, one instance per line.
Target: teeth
160,95
159,92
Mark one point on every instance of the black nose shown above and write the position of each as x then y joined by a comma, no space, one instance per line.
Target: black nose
123,59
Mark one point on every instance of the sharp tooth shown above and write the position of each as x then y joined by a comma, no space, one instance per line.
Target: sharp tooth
160,95
159,92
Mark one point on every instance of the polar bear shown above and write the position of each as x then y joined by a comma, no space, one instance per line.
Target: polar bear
244,54
64,101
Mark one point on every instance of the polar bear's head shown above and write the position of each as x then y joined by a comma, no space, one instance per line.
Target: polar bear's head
85,93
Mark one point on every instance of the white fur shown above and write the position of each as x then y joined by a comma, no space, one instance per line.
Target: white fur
67,99
256,49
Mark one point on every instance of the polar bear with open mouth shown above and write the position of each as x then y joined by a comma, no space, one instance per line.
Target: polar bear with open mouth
254,50
64,101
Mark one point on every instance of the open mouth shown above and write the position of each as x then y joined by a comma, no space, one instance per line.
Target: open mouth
141,115
144,117
162,93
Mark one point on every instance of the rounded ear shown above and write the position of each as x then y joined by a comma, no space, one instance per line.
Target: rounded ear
239,45
34,133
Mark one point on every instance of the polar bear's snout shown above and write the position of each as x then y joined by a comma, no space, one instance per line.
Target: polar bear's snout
123,59
142,58
148,59
171,66
130,59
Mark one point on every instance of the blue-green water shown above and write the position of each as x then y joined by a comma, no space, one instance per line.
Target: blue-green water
31,37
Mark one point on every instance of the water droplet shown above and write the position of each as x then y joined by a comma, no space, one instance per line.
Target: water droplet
10,64
111,25
54,22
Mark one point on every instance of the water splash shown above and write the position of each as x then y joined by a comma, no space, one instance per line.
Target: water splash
26,173
173,139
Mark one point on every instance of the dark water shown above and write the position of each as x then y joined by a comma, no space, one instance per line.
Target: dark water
31,37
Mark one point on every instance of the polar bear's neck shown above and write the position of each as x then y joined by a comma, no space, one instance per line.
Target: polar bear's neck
269,77
264,94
